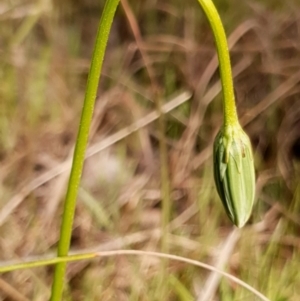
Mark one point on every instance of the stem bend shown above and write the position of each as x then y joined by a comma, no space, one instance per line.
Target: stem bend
230,114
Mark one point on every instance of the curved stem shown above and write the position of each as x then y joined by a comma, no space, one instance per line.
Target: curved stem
230,115
87,256
81,143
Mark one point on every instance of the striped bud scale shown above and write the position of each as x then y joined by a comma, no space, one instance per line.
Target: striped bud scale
234,173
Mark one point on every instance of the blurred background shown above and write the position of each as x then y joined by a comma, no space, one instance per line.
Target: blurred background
45,52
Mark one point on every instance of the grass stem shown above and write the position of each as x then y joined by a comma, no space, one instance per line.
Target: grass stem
88,256
81,143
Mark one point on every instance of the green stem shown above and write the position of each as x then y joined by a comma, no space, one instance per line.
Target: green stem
230,115
45,262
81,143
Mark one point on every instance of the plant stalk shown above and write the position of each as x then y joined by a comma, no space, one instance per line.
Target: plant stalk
81,143
230,114
88,256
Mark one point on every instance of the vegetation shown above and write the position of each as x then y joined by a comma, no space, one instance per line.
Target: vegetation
45,58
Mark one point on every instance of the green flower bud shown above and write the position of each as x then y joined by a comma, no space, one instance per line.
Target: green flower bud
234,173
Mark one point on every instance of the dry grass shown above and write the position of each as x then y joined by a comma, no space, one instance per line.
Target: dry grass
44,60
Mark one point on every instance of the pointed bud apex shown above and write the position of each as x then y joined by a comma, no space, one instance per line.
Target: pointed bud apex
234,173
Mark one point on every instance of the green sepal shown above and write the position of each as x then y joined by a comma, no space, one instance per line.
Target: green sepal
234,173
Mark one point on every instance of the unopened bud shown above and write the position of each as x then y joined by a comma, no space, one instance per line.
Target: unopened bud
234,173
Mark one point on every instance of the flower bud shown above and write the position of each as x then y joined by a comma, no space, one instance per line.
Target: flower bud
234,173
